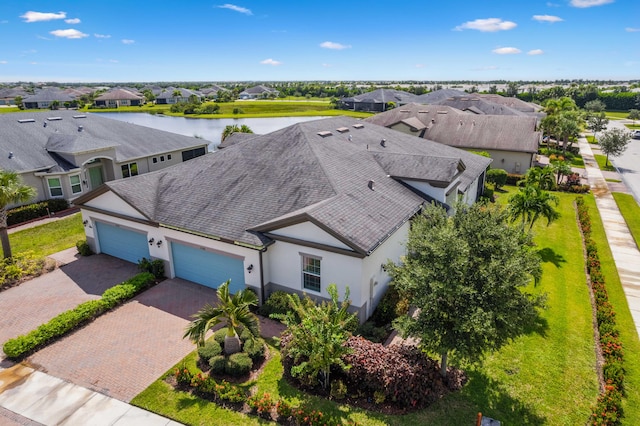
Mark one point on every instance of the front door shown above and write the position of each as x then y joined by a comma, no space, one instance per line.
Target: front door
95,177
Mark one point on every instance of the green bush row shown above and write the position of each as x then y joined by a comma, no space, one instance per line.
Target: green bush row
34,211
70,320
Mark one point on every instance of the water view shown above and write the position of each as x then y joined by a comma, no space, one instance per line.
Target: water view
208,129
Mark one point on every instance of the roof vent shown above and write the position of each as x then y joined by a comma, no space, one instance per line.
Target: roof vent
80,128
27,120
433,120
54,118
350,138
80,116
442,112
404,110
342,129
461,122
372,185
10,154
423,111
325,133
383,143
44,124
358,126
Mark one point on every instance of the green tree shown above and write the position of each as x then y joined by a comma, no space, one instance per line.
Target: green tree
18,101
561,169
465,276
595,105
542,177
597,122
614,142
229,130
149,96
12,191
634,114
233,311
317,336
530,203
498,177
55,105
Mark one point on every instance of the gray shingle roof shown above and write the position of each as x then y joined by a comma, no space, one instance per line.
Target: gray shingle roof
296,174
382,96
439,95
117,94
49,94
28,140
235,138
477,105
259,89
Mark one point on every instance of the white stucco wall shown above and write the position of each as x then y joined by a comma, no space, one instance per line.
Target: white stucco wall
512,162
112,203
436,193
307,231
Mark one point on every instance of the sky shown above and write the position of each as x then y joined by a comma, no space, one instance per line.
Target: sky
251,40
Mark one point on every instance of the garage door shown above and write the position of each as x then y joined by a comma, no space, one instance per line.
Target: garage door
122,243
207,268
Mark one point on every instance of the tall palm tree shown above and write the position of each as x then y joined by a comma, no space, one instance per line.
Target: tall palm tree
530,203
12,191
233,311
542,177
229,130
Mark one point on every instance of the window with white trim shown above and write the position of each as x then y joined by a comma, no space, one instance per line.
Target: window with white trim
76,186
129,170
311,272
55,187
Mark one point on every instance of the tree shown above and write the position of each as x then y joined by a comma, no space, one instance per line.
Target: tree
614,142
634,114
498,177
530,203
55,105
542,177
18,101
234,128
595,105
561,168
12,191
512,89
597,122
316,336
465,275
233,311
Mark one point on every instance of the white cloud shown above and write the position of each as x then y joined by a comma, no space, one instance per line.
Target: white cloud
334,46
235,8
102,36
549,4
127,41
327,65
4,62
420,65
632,30
42,37
72,21
69,33
271,62
488,68
547,18
489,25
535,52
33,63
31,16
507,51
589,3
113,61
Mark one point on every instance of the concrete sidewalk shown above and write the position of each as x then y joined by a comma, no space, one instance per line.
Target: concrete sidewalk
623,247
47,400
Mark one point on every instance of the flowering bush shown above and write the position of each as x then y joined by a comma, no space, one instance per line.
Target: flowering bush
183,376
284,410
261,404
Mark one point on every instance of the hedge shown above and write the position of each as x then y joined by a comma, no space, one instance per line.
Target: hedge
72,319
34,211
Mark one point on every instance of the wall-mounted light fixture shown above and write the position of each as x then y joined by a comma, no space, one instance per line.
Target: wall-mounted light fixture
159,243
250,268
84,222
151,241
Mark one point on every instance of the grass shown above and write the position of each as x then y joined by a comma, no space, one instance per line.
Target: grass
577,161
613,180
631,213
617,115
633,126
49,238
591,139
543,377
601,160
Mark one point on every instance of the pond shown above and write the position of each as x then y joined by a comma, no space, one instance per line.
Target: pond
208,129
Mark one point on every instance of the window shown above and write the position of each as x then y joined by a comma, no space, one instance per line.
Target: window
76,187
311,272
55,187
162,158
192,153
168,157
129,170
155,160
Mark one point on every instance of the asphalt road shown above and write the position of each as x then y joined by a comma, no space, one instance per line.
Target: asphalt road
628,164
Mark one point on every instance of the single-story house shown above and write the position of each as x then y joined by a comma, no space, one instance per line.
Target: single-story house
377,100
258,92
315,203
116,98
170,95
512,141
64,154
212,92
8,95
45,98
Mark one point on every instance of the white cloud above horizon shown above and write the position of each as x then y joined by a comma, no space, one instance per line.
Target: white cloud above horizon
127,41
32,16
507,51
535,52
4,62
68,33
271,62
632,30
547,18
589,3
334,46
72,21
235,8
102,35
488,25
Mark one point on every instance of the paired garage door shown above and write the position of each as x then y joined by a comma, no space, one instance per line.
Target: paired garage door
122,243
207,268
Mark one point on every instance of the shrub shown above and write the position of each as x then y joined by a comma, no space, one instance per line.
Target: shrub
370,331
261,404
277,303
21,265
218,364
513,179
254,348
238,364
488,194
284,409
219,336
34,211
338,390
498,177
155,267
119,293
389,307
183,376
209,350
83,248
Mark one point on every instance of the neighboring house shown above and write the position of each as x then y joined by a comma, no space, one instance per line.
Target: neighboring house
319,202
46,97
258,92
377,100
119,97
8,95
513,103
439,95
512,141
170,96
477,105
64,154
212,91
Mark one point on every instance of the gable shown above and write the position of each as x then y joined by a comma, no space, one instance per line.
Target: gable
307,231
110,202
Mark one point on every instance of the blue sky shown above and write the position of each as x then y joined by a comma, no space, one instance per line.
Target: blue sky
141,40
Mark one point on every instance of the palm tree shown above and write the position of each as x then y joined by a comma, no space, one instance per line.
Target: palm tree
233,311
542,177
245,129
12,191
229,130
531,203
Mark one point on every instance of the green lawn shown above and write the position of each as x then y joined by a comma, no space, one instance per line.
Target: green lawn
601,159
544,377
591,139
49,238
617,115
631,213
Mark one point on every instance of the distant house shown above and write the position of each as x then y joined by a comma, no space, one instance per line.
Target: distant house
64,154
47,97
319,202
512,141
378,100
212,91
172,95
116,98
8,95
258,92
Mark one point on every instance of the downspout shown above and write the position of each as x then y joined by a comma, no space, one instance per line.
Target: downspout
262,296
